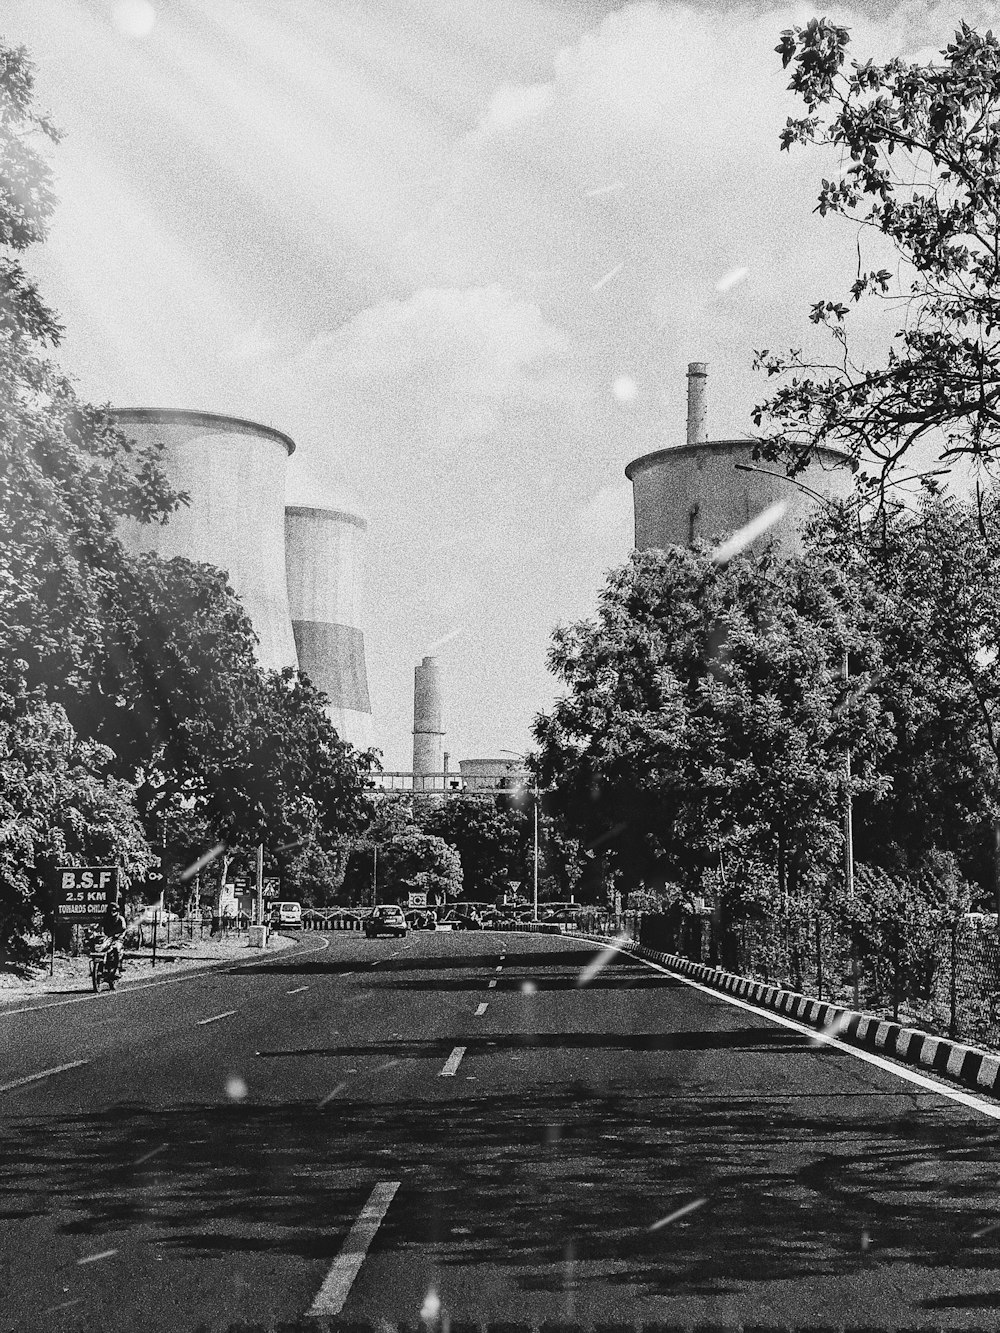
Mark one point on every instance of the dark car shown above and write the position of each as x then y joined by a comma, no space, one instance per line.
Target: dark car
386,920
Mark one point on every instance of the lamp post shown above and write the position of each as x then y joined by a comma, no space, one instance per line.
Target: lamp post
534,794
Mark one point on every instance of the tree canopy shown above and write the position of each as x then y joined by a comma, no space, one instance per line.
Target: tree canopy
919,154
705,719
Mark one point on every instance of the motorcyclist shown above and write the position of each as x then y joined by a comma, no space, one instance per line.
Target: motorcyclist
112,939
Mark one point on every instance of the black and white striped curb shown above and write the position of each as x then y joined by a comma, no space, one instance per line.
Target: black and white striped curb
966,1064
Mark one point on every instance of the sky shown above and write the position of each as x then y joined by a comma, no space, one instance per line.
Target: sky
462,251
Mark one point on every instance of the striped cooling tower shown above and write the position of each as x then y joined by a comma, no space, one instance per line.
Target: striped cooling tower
322,561
234,473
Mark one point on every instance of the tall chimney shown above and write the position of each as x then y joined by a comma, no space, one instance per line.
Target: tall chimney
428,730
697,423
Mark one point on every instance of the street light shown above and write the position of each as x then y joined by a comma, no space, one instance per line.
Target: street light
534,793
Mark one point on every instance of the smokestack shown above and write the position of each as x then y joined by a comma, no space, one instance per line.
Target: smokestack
428,732
697,422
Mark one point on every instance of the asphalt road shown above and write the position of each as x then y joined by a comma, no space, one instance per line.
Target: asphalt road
449,1131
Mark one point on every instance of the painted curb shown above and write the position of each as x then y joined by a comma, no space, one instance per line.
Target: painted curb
965,1064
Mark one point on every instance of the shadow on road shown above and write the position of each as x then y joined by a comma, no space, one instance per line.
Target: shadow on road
741,1039
790,1186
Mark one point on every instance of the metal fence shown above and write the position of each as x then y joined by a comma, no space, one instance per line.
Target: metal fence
943,976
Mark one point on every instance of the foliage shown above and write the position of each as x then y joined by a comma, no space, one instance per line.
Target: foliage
422,863
705,715
928,587
58,805
488,836
920,152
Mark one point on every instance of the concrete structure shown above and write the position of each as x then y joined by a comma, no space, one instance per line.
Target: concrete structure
694,490
428,728
322,563
489,774
234,473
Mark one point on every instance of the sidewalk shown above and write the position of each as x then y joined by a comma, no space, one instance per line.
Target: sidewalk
73,974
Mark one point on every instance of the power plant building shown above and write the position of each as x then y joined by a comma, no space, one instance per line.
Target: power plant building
322,559
295,569
234,473
695,490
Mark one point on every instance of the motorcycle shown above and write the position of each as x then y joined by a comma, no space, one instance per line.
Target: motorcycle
105,961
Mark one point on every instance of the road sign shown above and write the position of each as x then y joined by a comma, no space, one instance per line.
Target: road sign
272,886
515,884
83,893
417,899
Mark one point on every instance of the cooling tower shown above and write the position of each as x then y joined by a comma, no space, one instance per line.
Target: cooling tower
234,473
322,560
695,489
428,731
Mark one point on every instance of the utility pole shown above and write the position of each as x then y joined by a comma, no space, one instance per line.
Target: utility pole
375,875
848,802
260,884
535,909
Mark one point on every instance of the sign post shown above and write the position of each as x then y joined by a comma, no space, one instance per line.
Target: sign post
82,896
83,893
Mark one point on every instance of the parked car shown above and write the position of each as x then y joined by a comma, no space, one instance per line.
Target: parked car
151,914
386,920
285,916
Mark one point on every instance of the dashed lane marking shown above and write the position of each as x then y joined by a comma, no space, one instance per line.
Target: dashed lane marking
452,1063
499,967
45,1073
215,1018
332,1295
491,984
297,991
481,1010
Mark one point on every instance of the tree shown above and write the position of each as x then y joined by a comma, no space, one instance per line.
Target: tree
58,805
920,153
928,586
422,863
486,837
705,719
66,474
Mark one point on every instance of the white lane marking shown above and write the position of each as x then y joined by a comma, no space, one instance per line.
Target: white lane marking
820,1038
215,1018
337,1284
194,974
297,991
499,967
93,1258
491,984
45,1073
452,1063
481,1010
330,1096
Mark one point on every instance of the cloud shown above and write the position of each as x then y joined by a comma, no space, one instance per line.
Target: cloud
442,370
